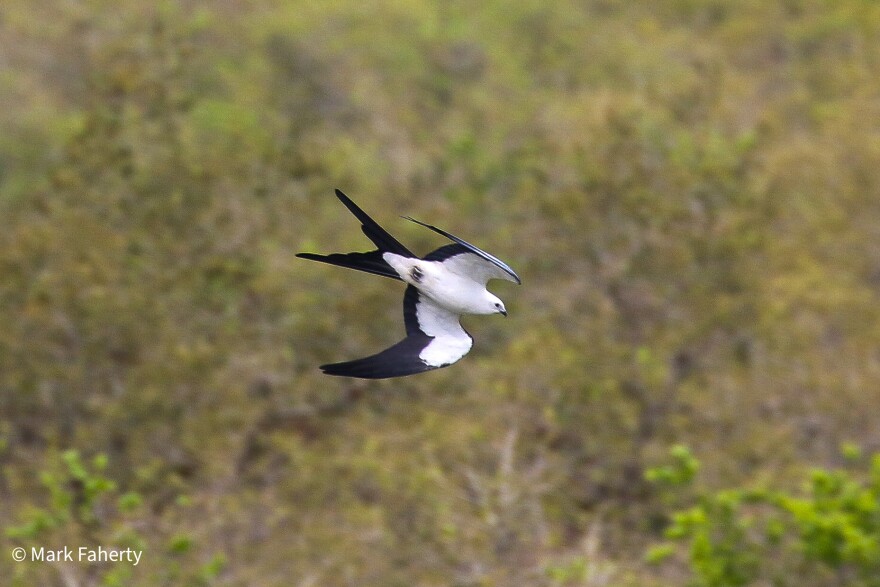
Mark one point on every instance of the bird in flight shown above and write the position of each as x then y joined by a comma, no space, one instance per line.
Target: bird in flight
442,286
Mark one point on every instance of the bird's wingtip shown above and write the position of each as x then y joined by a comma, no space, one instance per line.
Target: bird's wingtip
411,219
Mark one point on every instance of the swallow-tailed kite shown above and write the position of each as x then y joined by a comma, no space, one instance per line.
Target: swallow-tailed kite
442,286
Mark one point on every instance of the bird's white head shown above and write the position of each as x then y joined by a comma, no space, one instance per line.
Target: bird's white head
494,305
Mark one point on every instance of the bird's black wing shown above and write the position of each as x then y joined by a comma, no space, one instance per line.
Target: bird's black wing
412,355
396,361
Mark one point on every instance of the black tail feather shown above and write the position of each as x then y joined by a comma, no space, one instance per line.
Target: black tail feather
371,262
384,241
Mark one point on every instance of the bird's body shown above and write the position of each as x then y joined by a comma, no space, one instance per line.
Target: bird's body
449,288
442,286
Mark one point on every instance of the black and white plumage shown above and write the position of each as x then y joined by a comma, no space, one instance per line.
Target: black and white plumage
442,286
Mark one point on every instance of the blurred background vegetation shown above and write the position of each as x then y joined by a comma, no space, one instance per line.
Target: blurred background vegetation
686,391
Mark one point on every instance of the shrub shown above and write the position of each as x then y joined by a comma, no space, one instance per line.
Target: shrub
826,532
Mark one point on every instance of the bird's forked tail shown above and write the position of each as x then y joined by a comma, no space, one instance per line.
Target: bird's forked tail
372,261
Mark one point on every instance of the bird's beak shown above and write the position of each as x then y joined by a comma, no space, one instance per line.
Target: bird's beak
503,313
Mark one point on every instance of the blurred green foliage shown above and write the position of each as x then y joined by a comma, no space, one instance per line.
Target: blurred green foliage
85,508
688,189
829,530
